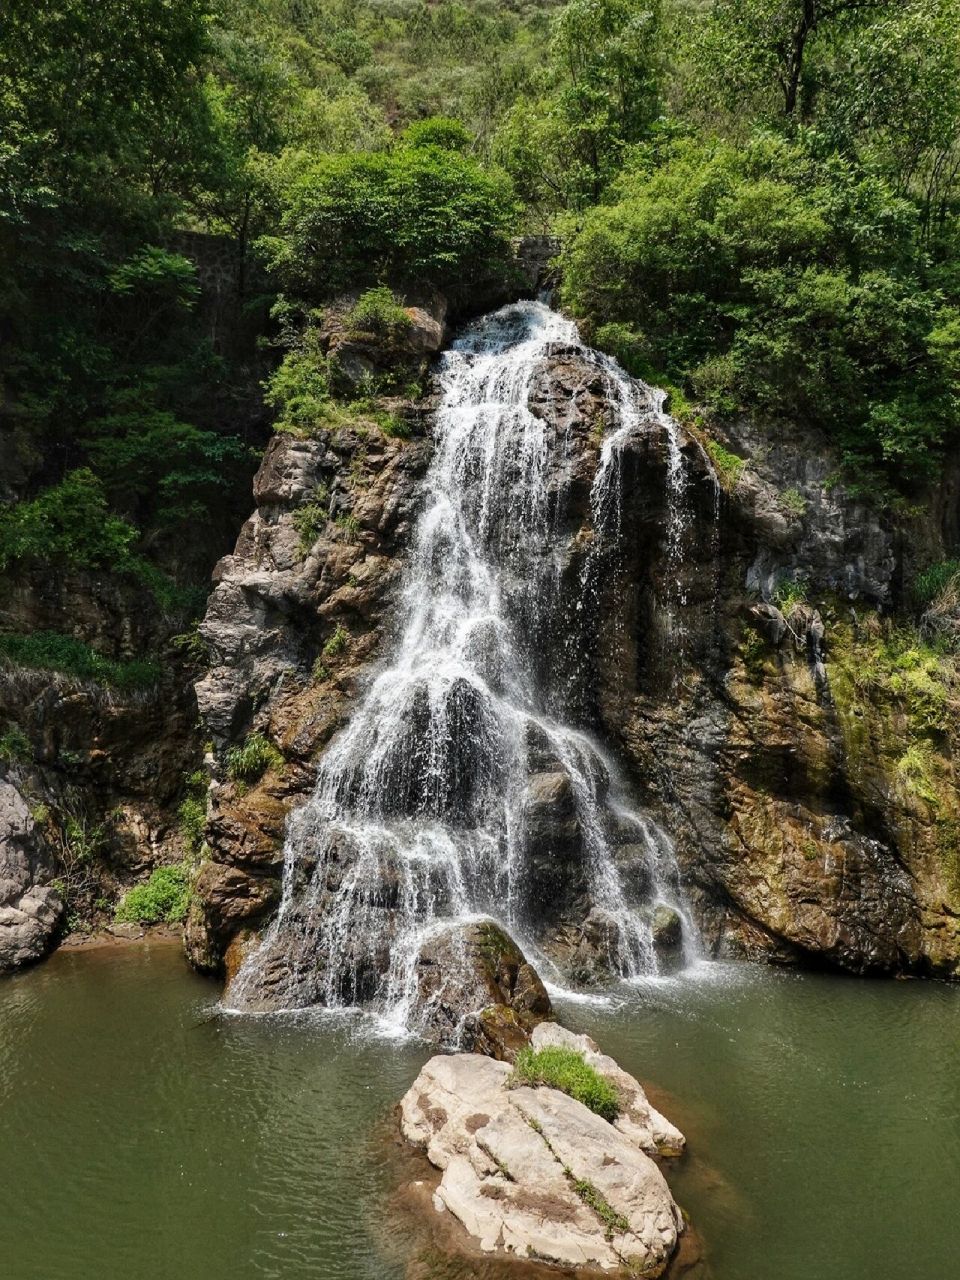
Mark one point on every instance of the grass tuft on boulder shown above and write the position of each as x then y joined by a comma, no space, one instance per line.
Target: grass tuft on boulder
567,1070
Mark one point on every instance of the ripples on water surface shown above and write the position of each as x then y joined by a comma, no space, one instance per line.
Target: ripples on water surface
142,1136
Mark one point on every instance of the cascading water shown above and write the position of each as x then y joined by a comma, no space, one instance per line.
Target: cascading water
426,805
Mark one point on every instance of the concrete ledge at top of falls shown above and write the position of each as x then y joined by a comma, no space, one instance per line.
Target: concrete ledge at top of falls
531,1173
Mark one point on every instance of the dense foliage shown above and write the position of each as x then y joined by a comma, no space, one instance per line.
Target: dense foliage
417,215
758,199
780,280
163,898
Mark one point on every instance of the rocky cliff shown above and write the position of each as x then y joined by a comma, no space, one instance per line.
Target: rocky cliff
297,614
739,654
742,648
94,770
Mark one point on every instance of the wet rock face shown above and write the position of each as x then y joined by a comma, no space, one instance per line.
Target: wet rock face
753,734
743,728
31,910
298,612
477,991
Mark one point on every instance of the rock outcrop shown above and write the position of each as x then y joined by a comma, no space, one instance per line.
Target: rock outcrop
531,1173
298,612
727,642
103,767
802,757
31,910
476,990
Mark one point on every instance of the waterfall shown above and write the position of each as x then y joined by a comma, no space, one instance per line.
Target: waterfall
429,806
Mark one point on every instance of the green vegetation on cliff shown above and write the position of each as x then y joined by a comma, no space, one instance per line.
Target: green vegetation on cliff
759,203
163,899
51,651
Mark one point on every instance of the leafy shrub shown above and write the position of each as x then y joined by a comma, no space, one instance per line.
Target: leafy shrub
392,425
165,472
52,651
299,389
413,215
192,645
162,899
567,1070
337,643
349,524
790,593
378,311
310,518
14,745
69,524
192,813
793,501
437,131
159,274
250,761
628,347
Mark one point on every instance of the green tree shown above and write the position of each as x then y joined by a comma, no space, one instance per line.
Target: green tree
773,280
601,93
415,215
751,48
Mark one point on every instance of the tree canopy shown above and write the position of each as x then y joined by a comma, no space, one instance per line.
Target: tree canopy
758,200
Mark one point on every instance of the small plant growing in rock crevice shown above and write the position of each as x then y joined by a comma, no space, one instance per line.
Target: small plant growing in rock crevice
338,643
790,593
310,518
14,746
350,526
728,466
753,649
793,501
601,1206
192,813
249,762
568,1071
192,646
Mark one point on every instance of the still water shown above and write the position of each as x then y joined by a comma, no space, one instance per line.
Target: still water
143,1137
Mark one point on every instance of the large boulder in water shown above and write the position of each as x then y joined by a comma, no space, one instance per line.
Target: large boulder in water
532,1173
476,990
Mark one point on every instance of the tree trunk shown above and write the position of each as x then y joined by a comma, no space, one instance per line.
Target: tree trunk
794,62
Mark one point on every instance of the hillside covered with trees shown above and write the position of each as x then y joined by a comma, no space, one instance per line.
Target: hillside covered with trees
758,203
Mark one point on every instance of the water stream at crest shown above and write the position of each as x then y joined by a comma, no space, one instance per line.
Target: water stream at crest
420,820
